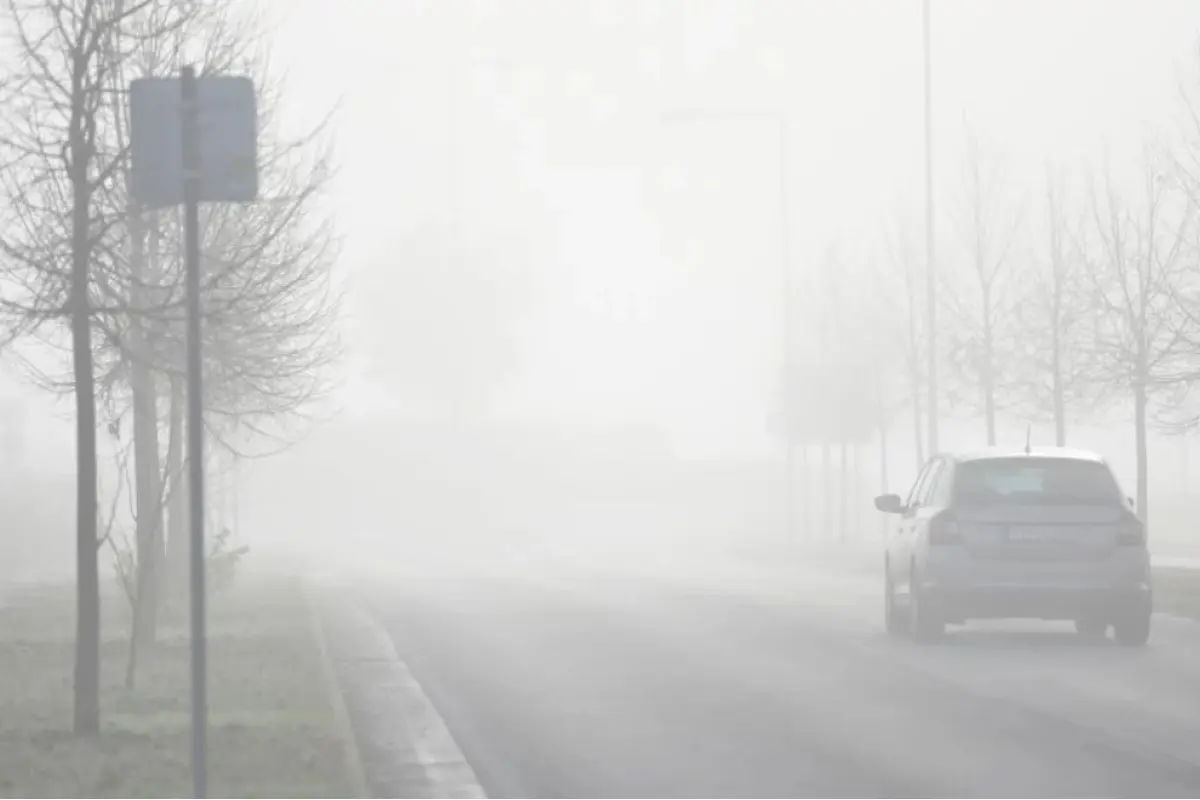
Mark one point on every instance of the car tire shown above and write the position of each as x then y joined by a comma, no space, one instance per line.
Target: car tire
894,619
923,622
1091,627
1132,630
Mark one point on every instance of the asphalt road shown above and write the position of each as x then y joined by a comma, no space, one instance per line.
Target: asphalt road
738,680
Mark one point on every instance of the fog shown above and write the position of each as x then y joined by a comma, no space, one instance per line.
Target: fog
624,312
563,318
600,286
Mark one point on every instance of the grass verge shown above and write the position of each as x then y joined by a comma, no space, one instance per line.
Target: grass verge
1177,591
272,728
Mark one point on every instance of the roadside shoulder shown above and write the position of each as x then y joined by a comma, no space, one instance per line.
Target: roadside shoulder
345,728
403,744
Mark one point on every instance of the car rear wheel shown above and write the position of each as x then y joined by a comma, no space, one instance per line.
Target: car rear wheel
923,621
893,617
1132,630
1091,627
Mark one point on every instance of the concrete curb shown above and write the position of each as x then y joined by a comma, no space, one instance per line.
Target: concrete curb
341,716
405,747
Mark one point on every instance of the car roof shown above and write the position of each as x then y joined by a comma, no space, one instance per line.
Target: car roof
1033,453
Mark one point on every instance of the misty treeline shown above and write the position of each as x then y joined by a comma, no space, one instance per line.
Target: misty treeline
1072,299
91,285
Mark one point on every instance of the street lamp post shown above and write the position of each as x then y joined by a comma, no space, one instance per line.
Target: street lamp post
930,261
779,120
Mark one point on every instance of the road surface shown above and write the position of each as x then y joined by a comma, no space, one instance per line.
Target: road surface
770,681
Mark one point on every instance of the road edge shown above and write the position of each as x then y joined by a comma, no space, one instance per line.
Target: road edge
405,746
333,689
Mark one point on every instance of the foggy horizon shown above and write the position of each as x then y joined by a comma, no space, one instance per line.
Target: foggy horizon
605,398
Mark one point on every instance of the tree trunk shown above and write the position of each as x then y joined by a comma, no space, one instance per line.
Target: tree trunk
988,378
1060,404
844,489
883,469
177,501
87,544
145,452
1139,430
914,378
805,492
918,437
1184,466
159,508
1058,270
148,502
856,484
827,500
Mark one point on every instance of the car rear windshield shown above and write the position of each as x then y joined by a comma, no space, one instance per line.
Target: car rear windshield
1035,480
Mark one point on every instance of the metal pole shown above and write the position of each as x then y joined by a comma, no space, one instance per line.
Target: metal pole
931,261
789,424
195,427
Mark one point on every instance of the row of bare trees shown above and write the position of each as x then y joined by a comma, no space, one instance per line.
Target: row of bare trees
1074,298
91,285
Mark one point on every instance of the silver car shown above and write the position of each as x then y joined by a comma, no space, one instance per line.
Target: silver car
1039,534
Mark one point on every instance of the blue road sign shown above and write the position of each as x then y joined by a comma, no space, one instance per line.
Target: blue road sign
227,136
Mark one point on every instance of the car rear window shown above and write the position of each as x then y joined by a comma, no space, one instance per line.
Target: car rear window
1035,480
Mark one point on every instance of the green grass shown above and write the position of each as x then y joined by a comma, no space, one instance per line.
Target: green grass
1177,591
272,729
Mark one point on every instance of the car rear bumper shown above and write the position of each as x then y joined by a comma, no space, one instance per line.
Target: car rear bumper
1036,602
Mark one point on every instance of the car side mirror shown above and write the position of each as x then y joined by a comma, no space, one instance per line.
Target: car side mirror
889,503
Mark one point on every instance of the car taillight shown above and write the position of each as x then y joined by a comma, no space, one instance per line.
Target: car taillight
1132,534
943,530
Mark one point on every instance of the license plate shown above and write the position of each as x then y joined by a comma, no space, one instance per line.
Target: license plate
1022,535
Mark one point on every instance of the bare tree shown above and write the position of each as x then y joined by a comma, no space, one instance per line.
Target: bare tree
1180,413
59,169
981,309
836,387
1141,253
270,302
1050,363
899,288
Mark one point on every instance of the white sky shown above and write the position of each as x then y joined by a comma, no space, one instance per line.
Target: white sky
660,243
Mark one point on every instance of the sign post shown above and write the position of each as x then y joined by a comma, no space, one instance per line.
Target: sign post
194,140
195,427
